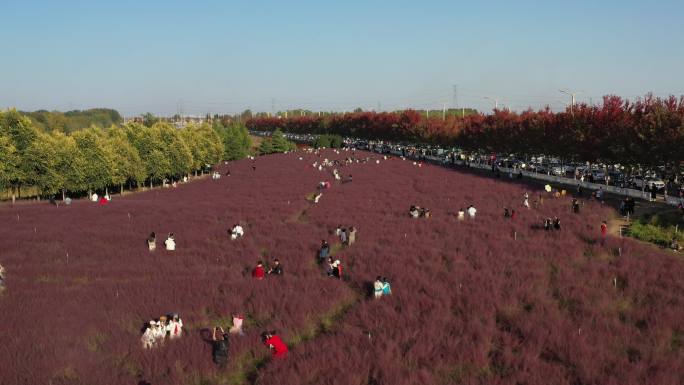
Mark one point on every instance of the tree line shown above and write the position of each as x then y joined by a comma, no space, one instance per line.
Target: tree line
648,132
73,120
120,156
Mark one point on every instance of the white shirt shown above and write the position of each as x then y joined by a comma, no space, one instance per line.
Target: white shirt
171,328
170,244
472,211
237,230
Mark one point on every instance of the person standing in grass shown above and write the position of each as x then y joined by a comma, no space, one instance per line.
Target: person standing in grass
324,251
258,271
352,236
377,287
471,211
461,214
337,269
604,231
152,241
175,327
170,242
219,347
343,236
148,337
386,287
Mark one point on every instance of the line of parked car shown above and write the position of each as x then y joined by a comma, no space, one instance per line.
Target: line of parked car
614,175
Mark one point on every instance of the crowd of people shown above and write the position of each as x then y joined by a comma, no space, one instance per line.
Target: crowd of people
171,326
157,330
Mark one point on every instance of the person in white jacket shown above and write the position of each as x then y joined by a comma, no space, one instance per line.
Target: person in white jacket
237,325
237,232
175,327
471,211
148,338
170,242
377,287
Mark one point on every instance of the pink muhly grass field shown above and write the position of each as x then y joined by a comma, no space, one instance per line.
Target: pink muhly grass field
488,300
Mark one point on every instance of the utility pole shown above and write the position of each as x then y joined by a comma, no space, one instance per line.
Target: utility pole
455,88
444,111
273,106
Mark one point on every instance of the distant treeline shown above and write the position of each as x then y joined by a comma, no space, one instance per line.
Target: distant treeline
99,159
648,132
70,121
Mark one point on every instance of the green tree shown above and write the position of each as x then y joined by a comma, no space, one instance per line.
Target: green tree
69,163
280,144
127,165
40,165
21,134
149,119
237,142
266,147
8,160
97,159
175,149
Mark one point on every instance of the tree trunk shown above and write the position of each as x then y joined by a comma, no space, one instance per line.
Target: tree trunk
121,189
107,191
63,195
150,183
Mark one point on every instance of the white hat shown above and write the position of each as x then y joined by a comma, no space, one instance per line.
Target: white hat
153,322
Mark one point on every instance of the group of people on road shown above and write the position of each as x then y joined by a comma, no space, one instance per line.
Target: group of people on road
156,331
169,243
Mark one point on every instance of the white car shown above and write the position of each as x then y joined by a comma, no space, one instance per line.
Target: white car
648,182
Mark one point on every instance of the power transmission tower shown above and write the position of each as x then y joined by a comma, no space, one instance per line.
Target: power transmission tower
455,88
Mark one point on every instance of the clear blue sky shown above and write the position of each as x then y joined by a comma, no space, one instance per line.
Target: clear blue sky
225,56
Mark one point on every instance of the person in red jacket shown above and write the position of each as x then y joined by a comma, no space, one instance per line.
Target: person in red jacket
275,344
258,271
604,231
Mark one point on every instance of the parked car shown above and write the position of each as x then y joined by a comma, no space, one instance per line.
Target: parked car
648,182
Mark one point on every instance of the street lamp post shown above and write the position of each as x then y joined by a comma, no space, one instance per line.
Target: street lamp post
496,102
572,95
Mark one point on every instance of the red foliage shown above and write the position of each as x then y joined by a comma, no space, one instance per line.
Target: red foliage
487,300
646,132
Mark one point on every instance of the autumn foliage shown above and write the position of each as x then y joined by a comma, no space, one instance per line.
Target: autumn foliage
649,131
